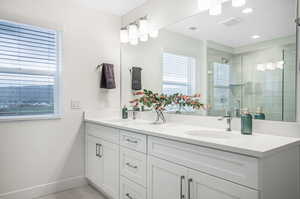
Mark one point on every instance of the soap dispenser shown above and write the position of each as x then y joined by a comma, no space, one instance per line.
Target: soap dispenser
124,113
259,115
246,122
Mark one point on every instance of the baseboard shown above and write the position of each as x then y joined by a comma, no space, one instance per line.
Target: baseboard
45,189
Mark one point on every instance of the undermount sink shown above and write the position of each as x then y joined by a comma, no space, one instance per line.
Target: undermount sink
211,134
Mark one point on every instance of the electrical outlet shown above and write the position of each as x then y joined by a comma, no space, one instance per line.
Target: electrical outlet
75,104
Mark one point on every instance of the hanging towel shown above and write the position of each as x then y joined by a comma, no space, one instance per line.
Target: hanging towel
136,78
107,76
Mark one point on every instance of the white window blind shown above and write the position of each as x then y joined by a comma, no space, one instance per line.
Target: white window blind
178,74
28,70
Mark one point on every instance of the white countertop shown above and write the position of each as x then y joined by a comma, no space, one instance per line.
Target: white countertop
256,145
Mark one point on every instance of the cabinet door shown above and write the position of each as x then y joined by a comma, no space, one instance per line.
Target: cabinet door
203,186
166,180
94,165
110,165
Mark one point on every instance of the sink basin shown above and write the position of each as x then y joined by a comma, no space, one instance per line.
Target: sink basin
211,134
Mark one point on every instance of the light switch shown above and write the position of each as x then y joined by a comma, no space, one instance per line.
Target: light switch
75,104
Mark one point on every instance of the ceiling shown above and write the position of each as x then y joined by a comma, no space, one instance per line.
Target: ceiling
115,7
270,19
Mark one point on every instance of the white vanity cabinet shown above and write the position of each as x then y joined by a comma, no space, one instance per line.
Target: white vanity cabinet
102,159
130,165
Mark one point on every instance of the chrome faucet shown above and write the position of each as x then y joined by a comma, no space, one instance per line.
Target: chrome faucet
228,118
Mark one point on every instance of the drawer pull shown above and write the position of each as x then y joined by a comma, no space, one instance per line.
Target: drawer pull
129,196
132,141
182,196
190,181
98,150
132,166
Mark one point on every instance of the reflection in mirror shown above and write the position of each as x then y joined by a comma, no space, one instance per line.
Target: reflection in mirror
244,58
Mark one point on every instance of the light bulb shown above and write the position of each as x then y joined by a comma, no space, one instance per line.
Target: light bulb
133,32
124,37
215,7
238,3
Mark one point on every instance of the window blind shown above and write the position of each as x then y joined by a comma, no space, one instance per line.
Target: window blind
178,74
28,70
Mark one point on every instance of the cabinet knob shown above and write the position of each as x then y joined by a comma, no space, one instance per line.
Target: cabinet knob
129,196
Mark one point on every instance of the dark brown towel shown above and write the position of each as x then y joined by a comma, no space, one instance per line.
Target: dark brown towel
107,76
136,78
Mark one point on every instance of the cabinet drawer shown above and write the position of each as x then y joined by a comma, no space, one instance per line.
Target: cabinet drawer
106,133
130,190
233,167
133,165
133,141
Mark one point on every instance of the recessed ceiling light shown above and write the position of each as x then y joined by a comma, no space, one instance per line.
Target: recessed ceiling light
255,37
247,10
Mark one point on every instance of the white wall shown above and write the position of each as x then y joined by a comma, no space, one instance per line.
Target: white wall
38,152
148,56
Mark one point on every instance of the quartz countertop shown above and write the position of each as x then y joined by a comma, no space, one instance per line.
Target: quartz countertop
256,145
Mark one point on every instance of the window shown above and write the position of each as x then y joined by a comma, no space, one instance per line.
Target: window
29,70
178,74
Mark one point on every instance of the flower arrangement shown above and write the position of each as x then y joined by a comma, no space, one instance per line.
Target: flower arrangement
159,102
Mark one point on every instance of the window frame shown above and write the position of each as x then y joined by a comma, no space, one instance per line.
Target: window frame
192,76
58,98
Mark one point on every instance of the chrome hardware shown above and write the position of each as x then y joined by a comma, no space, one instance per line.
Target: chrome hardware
128,196
297,21
98,150
132,141
182,196
189,188
228,118
132,166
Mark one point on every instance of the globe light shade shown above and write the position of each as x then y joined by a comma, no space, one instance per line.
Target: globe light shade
238,3
143,26
133,32
124,35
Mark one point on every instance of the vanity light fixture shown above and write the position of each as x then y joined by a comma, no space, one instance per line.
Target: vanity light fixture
238,3
247,10
141,30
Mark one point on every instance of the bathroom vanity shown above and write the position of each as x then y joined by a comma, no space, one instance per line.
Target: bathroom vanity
137,160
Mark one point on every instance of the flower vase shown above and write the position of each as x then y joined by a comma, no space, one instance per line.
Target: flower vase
160,118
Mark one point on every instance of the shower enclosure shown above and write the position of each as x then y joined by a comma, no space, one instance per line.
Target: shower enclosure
258,79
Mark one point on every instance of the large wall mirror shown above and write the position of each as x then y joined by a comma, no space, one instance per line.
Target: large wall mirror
244,58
